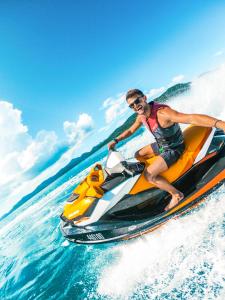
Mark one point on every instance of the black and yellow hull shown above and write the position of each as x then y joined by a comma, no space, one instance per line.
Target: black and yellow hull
142,210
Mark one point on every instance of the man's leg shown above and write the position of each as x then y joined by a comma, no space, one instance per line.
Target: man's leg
144,153
151,174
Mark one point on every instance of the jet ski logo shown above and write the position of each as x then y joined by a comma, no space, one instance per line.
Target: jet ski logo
95,236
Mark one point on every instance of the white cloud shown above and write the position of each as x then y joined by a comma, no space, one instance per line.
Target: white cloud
104,128
23,158
77,131
13,134
114,108
112,112
177,79
18,150
155,92
107,102
218,53
43,145
9,112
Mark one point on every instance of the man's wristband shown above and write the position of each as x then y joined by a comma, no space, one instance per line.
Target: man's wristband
116,140
216,123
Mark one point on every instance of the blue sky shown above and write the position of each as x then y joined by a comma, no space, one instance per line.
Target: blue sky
65,65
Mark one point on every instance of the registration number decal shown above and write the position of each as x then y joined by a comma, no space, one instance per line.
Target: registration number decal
95,236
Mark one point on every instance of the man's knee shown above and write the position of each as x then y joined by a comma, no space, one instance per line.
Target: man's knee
149,176
137,154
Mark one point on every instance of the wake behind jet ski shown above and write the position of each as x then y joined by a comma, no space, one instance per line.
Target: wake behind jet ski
116,202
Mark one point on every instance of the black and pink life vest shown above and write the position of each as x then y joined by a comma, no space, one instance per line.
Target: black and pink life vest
166,138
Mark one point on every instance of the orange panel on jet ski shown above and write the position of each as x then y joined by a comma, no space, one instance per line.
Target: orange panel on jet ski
194,137
88,190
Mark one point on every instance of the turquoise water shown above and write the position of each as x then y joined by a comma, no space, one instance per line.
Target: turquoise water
183,260
34,264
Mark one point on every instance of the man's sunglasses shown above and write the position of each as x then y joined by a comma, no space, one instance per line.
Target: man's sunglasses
135,102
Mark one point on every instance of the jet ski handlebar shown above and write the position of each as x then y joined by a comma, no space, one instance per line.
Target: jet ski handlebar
117,164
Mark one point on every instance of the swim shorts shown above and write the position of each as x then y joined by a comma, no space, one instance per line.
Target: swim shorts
170,155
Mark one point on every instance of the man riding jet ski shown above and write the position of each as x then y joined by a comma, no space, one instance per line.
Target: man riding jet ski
162,121
116,202
122,200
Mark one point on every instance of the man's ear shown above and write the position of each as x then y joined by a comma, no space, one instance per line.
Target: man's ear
145,98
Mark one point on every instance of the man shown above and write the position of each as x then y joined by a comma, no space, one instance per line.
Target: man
162,121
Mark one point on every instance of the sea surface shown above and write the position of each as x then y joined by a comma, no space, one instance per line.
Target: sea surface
184,259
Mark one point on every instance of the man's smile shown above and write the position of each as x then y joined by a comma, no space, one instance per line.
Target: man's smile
139,109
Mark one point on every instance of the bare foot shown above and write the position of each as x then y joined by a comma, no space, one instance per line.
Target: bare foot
174,201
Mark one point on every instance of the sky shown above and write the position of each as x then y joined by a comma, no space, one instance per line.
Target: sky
66,65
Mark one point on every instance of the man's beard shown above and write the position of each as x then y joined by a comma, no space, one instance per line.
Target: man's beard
141,109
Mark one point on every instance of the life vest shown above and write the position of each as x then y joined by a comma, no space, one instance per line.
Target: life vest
166,138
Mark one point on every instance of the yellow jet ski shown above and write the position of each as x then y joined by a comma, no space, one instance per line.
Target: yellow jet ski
115,202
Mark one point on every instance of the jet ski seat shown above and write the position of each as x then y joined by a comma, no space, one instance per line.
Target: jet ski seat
194,139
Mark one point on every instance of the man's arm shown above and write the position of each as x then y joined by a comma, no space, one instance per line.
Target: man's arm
137,124
195,119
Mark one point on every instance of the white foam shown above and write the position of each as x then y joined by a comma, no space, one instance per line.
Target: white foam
165,259
65,243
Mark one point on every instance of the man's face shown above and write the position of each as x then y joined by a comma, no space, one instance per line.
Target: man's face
138,104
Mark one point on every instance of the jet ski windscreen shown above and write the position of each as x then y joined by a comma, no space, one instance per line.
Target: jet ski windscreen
113,159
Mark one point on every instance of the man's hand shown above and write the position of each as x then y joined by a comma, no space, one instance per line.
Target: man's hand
220,124
111,145
137,124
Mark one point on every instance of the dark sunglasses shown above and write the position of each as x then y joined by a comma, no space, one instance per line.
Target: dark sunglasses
135,102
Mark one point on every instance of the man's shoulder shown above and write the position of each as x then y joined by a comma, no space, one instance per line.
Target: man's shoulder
164,113
164,110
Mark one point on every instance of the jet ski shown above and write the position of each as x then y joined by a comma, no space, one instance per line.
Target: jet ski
116,202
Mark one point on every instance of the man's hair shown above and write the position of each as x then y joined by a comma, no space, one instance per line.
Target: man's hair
134,92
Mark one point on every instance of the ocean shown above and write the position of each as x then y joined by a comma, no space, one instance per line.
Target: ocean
184,259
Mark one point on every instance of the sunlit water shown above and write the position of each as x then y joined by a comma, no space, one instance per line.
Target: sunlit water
184,259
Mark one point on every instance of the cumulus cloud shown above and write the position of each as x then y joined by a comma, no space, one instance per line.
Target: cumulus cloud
114,108
177,79
13,133
104,128
218,53
43,145
25,161
76,132
107,102
19,151
155,92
